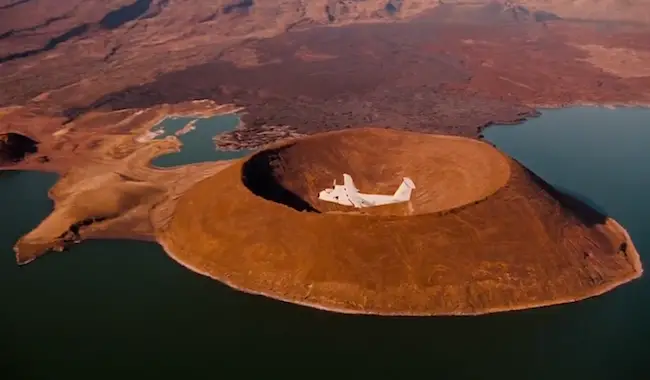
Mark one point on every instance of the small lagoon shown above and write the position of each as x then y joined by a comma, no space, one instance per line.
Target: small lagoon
198,145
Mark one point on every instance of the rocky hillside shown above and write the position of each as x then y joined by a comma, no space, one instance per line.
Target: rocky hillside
126,42
32,26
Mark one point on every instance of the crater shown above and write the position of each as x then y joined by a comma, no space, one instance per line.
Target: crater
482,234
378,159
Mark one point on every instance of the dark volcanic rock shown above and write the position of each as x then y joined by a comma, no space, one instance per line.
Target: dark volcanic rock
391,81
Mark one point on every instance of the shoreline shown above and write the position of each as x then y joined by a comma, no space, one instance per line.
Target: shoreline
232,144
218,110
227,142
631,252
538,109
598,291
608,105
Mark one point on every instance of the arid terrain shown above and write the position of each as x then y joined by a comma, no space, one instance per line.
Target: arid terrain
83,82
107,188
447,68
507,241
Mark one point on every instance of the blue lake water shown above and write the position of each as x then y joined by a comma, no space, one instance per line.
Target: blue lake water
198,144
109,309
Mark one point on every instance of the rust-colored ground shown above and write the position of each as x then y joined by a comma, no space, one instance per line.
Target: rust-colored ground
525,245
302,68
449,68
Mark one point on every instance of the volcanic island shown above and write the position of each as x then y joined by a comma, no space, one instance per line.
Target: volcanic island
377,90
480,234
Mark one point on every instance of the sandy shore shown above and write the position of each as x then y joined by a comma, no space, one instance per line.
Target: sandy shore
187,128
631,252
212,111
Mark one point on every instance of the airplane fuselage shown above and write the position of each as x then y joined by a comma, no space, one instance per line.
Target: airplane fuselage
348,195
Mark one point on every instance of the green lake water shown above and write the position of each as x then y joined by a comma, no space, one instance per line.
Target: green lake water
122,309
198,144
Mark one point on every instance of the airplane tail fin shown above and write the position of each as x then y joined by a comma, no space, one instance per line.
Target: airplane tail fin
403,192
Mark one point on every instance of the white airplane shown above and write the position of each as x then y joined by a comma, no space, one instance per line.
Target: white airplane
348,195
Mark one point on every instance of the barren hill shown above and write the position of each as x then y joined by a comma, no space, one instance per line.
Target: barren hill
513,242
134,37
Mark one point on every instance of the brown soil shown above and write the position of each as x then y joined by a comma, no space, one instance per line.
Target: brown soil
95,136
525,245
429,75
450,68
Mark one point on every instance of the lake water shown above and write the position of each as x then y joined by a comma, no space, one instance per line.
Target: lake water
109,309
198,144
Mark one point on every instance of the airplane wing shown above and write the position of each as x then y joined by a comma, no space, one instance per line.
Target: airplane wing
352,191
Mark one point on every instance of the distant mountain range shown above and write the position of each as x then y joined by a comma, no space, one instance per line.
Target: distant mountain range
145,38
36,19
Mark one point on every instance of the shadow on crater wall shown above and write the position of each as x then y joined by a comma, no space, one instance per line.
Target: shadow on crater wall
14,147
261,174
